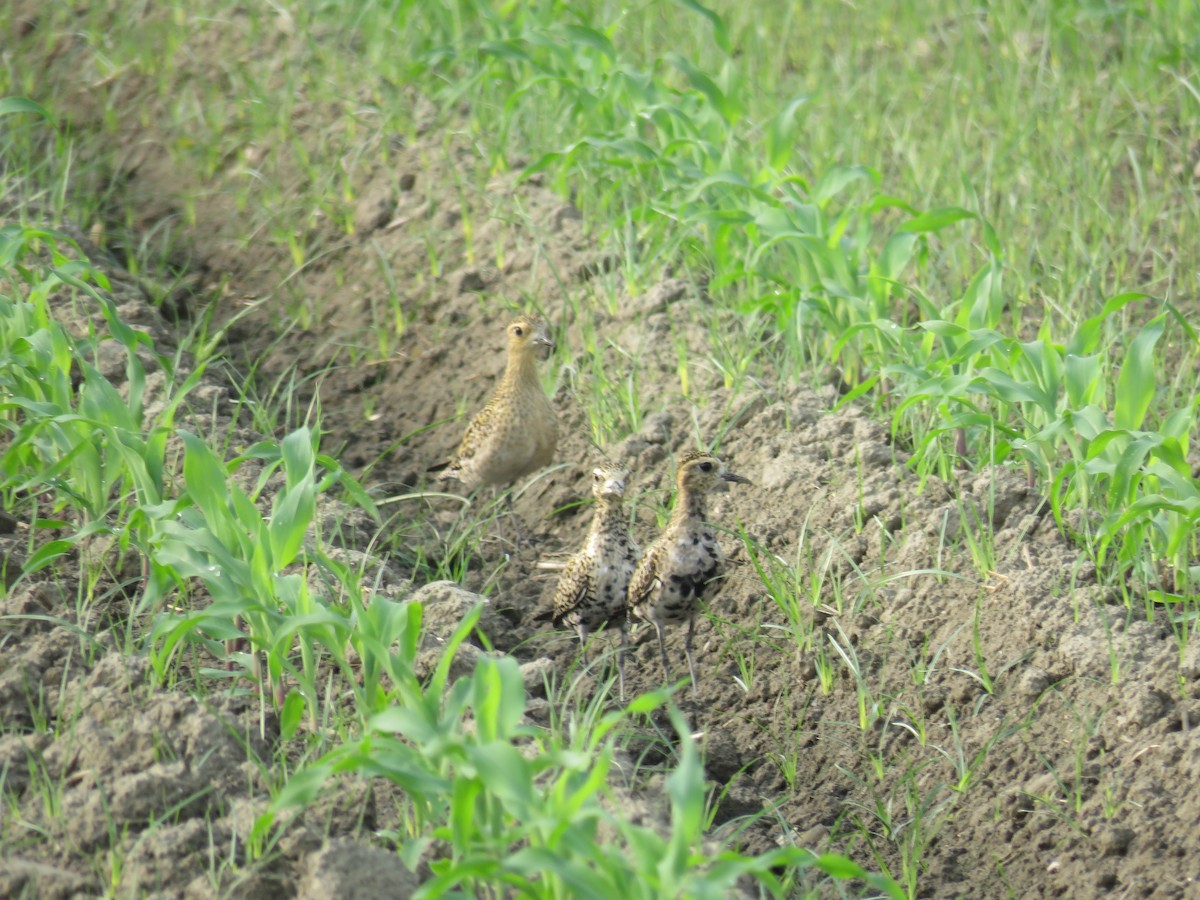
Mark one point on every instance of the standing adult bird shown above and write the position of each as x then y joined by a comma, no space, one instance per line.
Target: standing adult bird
672,577
593,588
516,433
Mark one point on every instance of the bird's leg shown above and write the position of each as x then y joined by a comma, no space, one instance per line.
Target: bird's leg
662,648
621,661
687,649
521,536
499,518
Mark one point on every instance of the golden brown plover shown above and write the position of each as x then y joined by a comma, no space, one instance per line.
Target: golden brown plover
669,581
517,431
593,588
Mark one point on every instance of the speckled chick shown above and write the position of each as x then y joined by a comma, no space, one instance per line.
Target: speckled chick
516,433
672,577
593,588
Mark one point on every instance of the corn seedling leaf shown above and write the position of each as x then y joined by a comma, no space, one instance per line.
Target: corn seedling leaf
936,219
303,787
781,135
298,457
294,508
726,106
1136,382
837,178
410,723
1087,335
720,33
896,255
12,105
505,772
204,477
499,698
290,715
46,554
590,37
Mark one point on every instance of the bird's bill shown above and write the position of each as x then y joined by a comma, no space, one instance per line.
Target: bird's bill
729,476
614,487
544,344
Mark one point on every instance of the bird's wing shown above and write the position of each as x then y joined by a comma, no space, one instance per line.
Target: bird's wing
473,438
645,576
572,589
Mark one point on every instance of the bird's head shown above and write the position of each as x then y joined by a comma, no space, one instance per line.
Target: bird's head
608,481
529,335
700,471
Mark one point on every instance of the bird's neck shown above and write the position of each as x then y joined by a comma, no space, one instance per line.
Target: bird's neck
689,506
610,515
521,368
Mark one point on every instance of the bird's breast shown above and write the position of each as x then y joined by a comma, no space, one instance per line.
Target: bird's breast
697,554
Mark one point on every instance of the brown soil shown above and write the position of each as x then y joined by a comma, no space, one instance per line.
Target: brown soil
1061,772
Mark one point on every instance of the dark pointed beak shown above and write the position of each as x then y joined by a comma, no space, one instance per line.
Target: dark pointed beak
614,487
729,476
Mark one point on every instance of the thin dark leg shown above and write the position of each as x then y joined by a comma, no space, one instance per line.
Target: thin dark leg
621,662
662,649
499,523
687,649
521,537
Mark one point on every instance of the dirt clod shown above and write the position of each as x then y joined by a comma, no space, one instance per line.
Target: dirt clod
352,871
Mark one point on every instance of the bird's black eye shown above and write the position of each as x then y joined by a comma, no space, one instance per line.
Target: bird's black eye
595,476
518,330
705,467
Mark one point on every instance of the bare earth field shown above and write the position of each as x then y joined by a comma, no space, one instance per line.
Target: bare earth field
1045,752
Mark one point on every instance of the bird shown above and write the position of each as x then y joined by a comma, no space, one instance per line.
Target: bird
671,578
516,432
592,591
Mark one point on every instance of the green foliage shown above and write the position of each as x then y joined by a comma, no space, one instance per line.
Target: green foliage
216,534
71,435
670,151
522,809
518,807
990,328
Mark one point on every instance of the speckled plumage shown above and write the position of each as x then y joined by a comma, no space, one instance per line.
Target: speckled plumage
516,433
593,588
669,582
